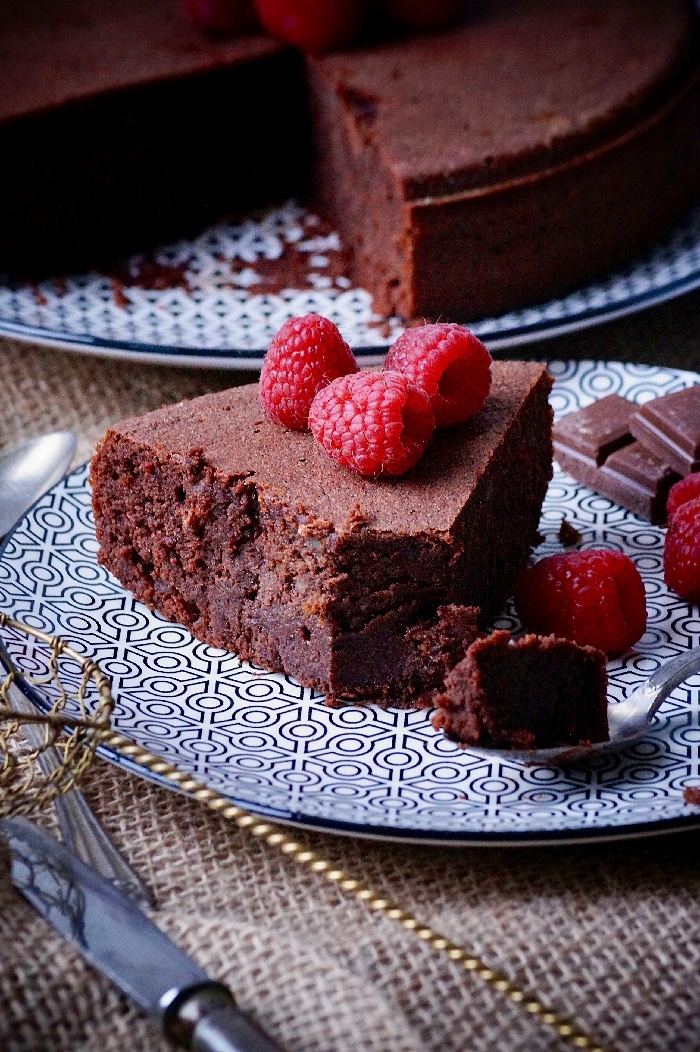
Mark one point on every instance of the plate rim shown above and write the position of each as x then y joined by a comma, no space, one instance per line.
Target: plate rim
389,834
495,337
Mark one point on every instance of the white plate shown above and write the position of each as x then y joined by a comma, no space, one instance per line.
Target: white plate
221,300
273,746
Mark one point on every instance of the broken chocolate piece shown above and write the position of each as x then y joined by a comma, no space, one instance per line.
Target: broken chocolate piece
536,692
669,427
595,432
596,447
637,480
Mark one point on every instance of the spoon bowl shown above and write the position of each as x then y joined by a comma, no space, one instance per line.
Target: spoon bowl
29,470
628,720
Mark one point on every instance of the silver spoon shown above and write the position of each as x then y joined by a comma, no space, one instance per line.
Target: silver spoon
29,470
25,474
628,720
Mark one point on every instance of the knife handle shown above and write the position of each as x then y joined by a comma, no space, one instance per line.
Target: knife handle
205,1018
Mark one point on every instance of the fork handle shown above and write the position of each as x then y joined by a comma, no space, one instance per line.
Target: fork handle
80,829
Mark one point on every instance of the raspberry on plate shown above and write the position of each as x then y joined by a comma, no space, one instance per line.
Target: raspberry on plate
594,597
681,492
449,363
373,423
313,25
305,355
221,16
682,549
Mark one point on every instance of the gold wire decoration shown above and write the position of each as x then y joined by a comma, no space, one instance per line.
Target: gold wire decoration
36,767
78,737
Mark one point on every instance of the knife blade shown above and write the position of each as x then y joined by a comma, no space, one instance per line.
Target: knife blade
115,936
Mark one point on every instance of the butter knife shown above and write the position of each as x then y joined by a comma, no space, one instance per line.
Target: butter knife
115,936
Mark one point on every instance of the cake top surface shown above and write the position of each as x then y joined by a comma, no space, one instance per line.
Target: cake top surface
516,85
229,431
58,51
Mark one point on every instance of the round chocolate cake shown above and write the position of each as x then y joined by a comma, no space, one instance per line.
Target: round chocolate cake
535,146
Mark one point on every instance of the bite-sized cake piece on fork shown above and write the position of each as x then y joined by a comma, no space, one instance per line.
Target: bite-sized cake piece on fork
534,692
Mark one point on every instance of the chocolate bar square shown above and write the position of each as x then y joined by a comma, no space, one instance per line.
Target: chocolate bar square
596,447
669,427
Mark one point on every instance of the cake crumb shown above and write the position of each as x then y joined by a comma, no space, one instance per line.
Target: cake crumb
315,528
691,794
119,294
569,536
356,519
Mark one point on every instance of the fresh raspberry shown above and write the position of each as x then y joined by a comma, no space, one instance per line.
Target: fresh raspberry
305,355
221,16
681,492
593,597
313,25
449,363
682,550
373,423
424,14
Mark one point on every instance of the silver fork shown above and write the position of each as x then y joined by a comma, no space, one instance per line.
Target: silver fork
80,829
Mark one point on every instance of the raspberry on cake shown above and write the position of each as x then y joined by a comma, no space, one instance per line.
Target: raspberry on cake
449,363
536,692
373,423
303,356
250,536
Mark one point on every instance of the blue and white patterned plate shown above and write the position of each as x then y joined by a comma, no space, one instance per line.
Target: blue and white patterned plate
217,300
273,746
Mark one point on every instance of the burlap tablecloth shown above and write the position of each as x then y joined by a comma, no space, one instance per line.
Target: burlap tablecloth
607,934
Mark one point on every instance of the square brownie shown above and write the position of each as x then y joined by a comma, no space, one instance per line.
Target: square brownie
254,539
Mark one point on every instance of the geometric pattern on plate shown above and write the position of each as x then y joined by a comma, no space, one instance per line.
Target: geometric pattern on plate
217,300
271,745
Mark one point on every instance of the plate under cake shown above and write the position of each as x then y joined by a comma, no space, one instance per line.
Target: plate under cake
510,159
251,537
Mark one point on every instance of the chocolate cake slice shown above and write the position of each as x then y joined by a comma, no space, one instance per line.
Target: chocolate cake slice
254,539
536,692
